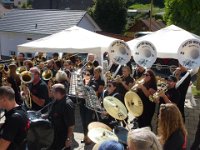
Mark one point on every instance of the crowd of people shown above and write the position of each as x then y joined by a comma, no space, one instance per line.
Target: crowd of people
48,93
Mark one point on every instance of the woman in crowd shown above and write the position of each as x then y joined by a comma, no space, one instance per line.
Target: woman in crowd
171,129
111,90
143,139
144,90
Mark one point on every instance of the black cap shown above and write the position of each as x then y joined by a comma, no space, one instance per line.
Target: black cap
171,78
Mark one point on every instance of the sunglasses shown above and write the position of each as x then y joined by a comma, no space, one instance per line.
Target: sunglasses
87,74
147,75
109,85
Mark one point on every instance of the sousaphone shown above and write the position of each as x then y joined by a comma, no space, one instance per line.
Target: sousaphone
145,54
189,53
119,52
189,57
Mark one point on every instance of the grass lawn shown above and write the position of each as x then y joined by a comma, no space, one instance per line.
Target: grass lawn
195,92
146,7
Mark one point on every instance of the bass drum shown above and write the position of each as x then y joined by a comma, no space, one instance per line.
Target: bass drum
40,134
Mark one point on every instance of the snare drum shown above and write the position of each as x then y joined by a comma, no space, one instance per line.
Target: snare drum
40,134
121,133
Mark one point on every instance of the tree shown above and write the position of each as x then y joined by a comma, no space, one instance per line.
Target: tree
110,15
183,13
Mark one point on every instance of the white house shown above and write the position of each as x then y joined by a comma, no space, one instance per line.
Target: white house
20,26
20,2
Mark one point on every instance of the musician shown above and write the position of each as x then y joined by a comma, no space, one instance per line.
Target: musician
112,90
183,87
61,77
39,57
62,116
138,72
114,68
58,65
38,89
20,59
14,130
15,82
50,65
149,87
91,59
68,67
55,56
127,81
78,63
97,82
172,95
28,64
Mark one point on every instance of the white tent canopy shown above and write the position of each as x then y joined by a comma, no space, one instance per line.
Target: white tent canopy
72,40
166,41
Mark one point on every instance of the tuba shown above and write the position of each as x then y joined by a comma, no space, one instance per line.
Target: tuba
189,57
145,54
119,53
26,77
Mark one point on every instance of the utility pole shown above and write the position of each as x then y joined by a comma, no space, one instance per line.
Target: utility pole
151,10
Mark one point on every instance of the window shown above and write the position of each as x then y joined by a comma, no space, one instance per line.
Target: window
12,53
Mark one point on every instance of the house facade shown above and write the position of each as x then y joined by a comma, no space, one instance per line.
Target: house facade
62,4
21,26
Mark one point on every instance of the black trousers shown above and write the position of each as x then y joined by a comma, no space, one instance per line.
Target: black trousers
196,143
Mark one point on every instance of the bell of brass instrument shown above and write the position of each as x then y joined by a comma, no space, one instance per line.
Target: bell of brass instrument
26,78
21,69
89,66
47,75
2,66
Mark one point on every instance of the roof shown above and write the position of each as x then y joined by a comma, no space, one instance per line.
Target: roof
155,25
40,21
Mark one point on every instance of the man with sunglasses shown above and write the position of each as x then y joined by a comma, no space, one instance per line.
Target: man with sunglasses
172,95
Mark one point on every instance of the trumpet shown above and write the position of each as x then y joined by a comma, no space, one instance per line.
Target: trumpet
157,94
118,78
137,83
26,77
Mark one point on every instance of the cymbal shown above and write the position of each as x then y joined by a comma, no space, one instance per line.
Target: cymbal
133,103
93,125
115,108
99,135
